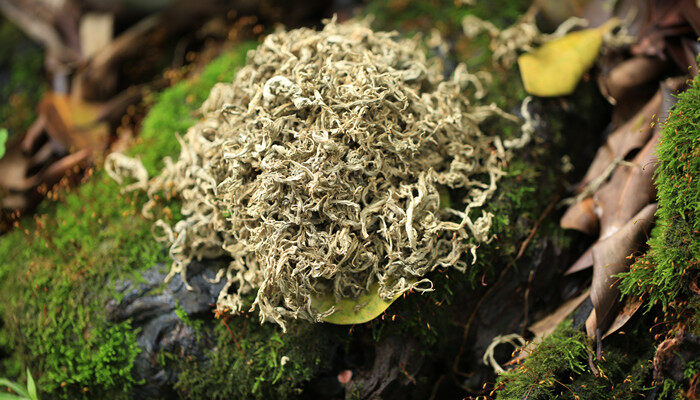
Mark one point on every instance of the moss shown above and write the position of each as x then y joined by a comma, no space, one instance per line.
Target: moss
558,368
621,380
21,78
674,390
52,311
244,358
672,263
428,318
197,324
258,361
542,373
57,267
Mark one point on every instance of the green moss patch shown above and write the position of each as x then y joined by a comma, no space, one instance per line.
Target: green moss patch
252,361
57,267
558,368
670,267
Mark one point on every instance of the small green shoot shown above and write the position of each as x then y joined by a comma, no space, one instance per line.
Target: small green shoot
22,394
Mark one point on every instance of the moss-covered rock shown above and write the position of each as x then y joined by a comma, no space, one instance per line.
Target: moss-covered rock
252,361
666,277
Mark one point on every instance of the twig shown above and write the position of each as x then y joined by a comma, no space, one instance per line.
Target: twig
235,341
436,387
526,242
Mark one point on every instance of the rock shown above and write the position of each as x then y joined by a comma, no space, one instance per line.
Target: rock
151,306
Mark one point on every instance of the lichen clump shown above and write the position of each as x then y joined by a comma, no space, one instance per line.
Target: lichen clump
320,169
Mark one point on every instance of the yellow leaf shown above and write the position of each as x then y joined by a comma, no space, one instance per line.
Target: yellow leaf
350,311
556,68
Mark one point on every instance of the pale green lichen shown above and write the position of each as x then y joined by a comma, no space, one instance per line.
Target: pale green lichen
319,170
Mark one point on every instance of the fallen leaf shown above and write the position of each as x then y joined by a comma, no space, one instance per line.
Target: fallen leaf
583,262
348,311
14,166
632,304
665,25
629,75
630,136
581,217
685,54
630,188
591,324
556,67
74,123
548,324
611,256
596,12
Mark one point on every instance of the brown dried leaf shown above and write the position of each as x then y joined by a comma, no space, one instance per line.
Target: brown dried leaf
629,189
631,186
684,54
548,324
596,12
591,323
611,256
583,262
667,21
626,138
631,306
629,75
14,166
581,216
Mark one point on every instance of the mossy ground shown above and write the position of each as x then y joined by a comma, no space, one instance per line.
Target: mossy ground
558,368
250,361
